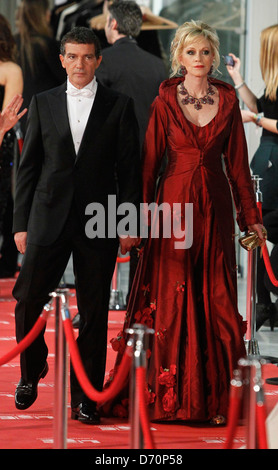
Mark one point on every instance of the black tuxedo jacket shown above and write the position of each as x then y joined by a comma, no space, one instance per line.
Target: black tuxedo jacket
51,177
129,69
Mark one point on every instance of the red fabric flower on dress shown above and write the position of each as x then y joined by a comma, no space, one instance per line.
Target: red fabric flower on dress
169,401
121,409
180,286
149,396
118,343
168,376
146,288
144,317
161,334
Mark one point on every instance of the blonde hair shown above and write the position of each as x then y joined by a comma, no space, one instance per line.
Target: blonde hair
188,33
269,60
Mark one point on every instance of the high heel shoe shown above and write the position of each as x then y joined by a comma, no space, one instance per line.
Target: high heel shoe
263,313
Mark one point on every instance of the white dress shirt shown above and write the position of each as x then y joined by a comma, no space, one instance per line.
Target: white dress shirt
79,108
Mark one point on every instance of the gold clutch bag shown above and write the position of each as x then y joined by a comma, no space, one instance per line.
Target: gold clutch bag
250,241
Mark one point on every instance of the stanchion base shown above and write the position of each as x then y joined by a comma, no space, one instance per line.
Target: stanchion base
252,347
272,381
116,300
271,359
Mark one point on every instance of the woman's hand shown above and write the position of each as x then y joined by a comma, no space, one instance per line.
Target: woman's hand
247,116
259,229
128,242
9,116
234,70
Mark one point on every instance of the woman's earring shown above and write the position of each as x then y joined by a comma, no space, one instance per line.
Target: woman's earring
183,70
210,70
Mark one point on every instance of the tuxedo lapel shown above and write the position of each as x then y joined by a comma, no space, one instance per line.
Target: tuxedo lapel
58,108
98,115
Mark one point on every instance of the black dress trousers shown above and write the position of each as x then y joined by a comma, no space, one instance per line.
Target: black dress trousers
41,272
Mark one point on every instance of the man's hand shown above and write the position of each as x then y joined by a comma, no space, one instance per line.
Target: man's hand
20,239
126,243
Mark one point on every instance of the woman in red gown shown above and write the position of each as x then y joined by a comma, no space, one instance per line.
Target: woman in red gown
189,296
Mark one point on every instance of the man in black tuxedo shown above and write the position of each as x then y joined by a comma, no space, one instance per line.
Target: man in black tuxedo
81,146
125,66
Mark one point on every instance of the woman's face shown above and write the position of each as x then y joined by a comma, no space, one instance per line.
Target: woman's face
197,57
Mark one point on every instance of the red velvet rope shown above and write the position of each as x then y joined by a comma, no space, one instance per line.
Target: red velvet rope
233,415
261,427
29,338
143,412
123,260
89,390
116,385
266,257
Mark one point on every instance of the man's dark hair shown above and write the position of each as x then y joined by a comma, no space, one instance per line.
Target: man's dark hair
81,35
128,16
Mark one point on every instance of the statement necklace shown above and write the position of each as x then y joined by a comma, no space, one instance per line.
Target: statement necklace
189,99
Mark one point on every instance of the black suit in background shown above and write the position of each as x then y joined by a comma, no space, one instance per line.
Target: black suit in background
129,69
264,285
54,187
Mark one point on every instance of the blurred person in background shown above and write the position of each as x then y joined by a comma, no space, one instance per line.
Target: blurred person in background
265,161
126,67
11,83
38,51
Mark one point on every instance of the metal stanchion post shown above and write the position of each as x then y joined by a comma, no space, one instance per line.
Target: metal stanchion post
139,340
61,373
253,392
116,298
251,407
251,344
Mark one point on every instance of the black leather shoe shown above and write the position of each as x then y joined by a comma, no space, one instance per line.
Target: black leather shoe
86,413
27,391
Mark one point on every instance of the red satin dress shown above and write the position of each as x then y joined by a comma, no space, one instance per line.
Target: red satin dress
189,296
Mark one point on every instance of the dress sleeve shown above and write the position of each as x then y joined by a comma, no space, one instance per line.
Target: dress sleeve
153,149
238,173
29,169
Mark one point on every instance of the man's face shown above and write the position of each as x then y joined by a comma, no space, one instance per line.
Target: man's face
80,63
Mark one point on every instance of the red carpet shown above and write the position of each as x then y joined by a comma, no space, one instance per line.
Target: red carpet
33,428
